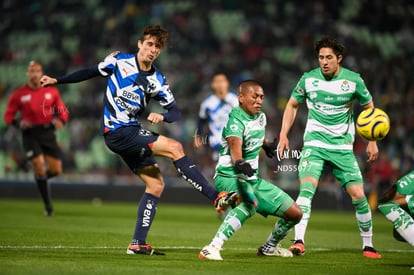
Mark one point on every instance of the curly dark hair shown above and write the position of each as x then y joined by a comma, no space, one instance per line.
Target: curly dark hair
330,42
156,31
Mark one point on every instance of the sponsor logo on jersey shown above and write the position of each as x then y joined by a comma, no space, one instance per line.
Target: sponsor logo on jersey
343,98
144,132
121,102
48,96
329,98
300,90
315,83
345,86
253,143
313,95
234,127
25,98
151,87
261,120
131,96
304,163
125,72
126,68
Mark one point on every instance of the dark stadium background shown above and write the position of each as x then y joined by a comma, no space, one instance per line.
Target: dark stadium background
270,41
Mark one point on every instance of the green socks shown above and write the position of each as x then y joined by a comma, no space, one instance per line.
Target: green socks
364,220
403,222
233,222
304,200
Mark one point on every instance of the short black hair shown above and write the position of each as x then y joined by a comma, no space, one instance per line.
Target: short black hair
248,82
330,42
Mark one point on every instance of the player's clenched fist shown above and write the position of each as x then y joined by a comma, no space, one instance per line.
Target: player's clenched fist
47,80
155,118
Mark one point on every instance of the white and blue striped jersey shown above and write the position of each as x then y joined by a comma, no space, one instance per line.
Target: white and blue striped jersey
216,111
129,90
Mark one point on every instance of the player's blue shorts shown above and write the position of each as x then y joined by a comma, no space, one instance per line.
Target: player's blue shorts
133,144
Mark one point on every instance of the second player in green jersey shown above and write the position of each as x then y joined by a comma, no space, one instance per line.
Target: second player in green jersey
330,92
237,170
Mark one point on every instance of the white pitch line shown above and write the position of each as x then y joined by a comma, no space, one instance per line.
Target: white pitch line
167,247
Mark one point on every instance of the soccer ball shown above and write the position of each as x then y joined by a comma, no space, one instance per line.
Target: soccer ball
373,124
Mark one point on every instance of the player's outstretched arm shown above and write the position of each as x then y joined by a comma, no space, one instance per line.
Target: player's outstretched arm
77,76
289,116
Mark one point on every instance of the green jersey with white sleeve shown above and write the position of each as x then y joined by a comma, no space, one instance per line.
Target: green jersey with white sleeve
251,130
330,122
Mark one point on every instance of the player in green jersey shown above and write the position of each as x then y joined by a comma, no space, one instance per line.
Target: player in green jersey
329,92
397,205
237,170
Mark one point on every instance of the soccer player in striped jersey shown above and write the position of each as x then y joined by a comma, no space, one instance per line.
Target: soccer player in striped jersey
133,81
329,92
243,138
214,112
397,205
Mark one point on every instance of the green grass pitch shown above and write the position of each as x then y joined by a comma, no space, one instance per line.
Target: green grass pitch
91,238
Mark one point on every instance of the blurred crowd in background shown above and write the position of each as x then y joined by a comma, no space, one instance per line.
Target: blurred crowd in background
270,41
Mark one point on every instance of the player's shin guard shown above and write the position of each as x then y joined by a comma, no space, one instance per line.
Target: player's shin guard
304,200
233,222
44,190
364,219
403,222
146,213
191,174
281,229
